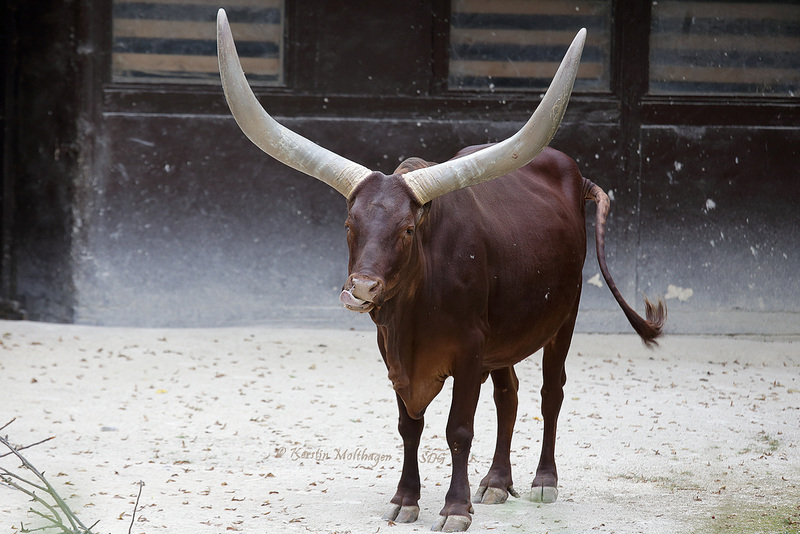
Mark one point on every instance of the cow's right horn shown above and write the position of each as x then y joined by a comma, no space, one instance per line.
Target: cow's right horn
276,140
511,154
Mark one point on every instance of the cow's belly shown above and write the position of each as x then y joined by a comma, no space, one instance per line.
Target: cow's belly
524,318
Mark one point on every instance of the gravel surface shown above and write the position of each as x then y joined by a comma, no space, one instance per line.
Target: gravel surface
289,430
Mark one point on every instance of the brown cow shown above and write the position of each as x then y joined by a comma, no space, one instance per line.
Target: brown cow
464,277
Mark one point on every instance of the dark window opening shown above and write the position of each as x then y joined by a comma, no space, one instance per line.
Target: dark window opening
724,47
517,45
170,41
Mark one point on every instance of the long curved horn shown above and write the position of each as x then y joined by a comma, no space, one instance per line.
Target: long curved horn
511,154
276,140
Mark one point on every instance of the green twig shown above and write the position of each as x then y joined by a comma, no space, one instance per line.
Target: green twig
34,497
19,483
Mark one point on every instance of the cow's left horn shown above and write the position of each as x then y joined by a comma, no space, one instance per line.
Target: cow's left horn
511,154
276,140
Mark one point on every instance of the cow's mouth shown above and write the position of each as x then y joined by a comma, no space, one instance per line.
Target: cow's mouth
353,303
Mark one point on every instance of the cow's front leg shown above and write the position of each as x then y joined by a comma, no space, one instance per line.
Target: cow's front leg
497,484
404,507
455,516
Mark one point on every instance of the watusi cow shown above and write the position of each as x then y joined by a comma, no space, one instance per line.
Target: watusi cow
464,276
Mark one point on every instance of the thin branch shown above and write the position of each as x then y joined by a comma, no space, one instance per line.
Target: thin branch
71,517
57,523
5,425
135,506
8,473
23,447
8,479
37,499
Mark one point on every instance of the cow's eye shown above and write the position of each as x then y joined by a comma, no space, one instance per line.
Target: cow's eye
410,230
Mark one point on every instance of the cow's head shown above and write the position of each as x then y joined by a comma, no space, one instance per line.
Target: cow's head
384,225
384,212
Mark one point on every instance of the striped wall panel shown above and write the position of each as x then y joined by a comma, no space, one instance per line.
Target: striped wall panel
721,47
518,44
175,40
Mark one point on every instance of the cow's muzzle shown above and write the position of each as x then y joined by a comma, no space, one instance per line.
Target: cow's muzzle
361,294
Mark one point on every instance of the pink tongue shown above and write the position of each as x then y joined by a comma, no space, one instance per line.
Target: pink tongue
348,299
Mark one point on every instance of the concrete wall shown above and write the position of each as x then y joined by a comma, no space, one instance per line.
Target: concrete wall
229,236
154,210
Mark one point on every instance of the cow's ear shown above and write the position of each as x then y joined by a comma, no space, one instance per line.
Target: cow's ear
422,213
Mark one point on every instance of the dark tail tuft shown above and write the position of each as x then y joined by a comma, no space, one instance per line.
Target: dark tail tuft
652,327
648,329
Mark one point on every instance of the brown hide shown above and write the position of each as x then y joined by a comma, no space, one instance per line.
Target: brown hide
467,286
491,272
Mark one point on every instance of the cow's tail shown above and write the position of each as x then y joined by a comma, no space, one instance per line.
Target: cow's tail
648,329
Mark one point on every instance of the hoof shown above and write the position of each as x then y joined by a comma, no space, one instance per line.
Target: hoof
453,523
401,514
546,494
486,495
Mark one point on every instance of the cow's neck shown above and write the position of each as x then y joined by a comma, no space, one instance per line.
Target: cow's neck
405,338
408,361
396,322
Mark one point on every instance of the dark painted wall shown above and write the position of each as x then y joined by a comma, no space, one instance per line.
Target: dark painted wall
42,89
137,206
221,233
722,221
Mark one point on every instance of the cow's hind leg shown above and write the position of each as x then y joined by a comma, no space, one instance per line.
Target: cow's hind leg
545,484
497,484
404,507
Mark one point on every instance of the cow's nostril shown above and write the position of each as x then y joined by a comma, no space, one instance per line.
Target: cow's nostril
365,289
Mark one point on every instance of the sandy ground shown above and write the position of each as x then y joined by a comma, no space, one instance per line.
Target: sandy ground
278,430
